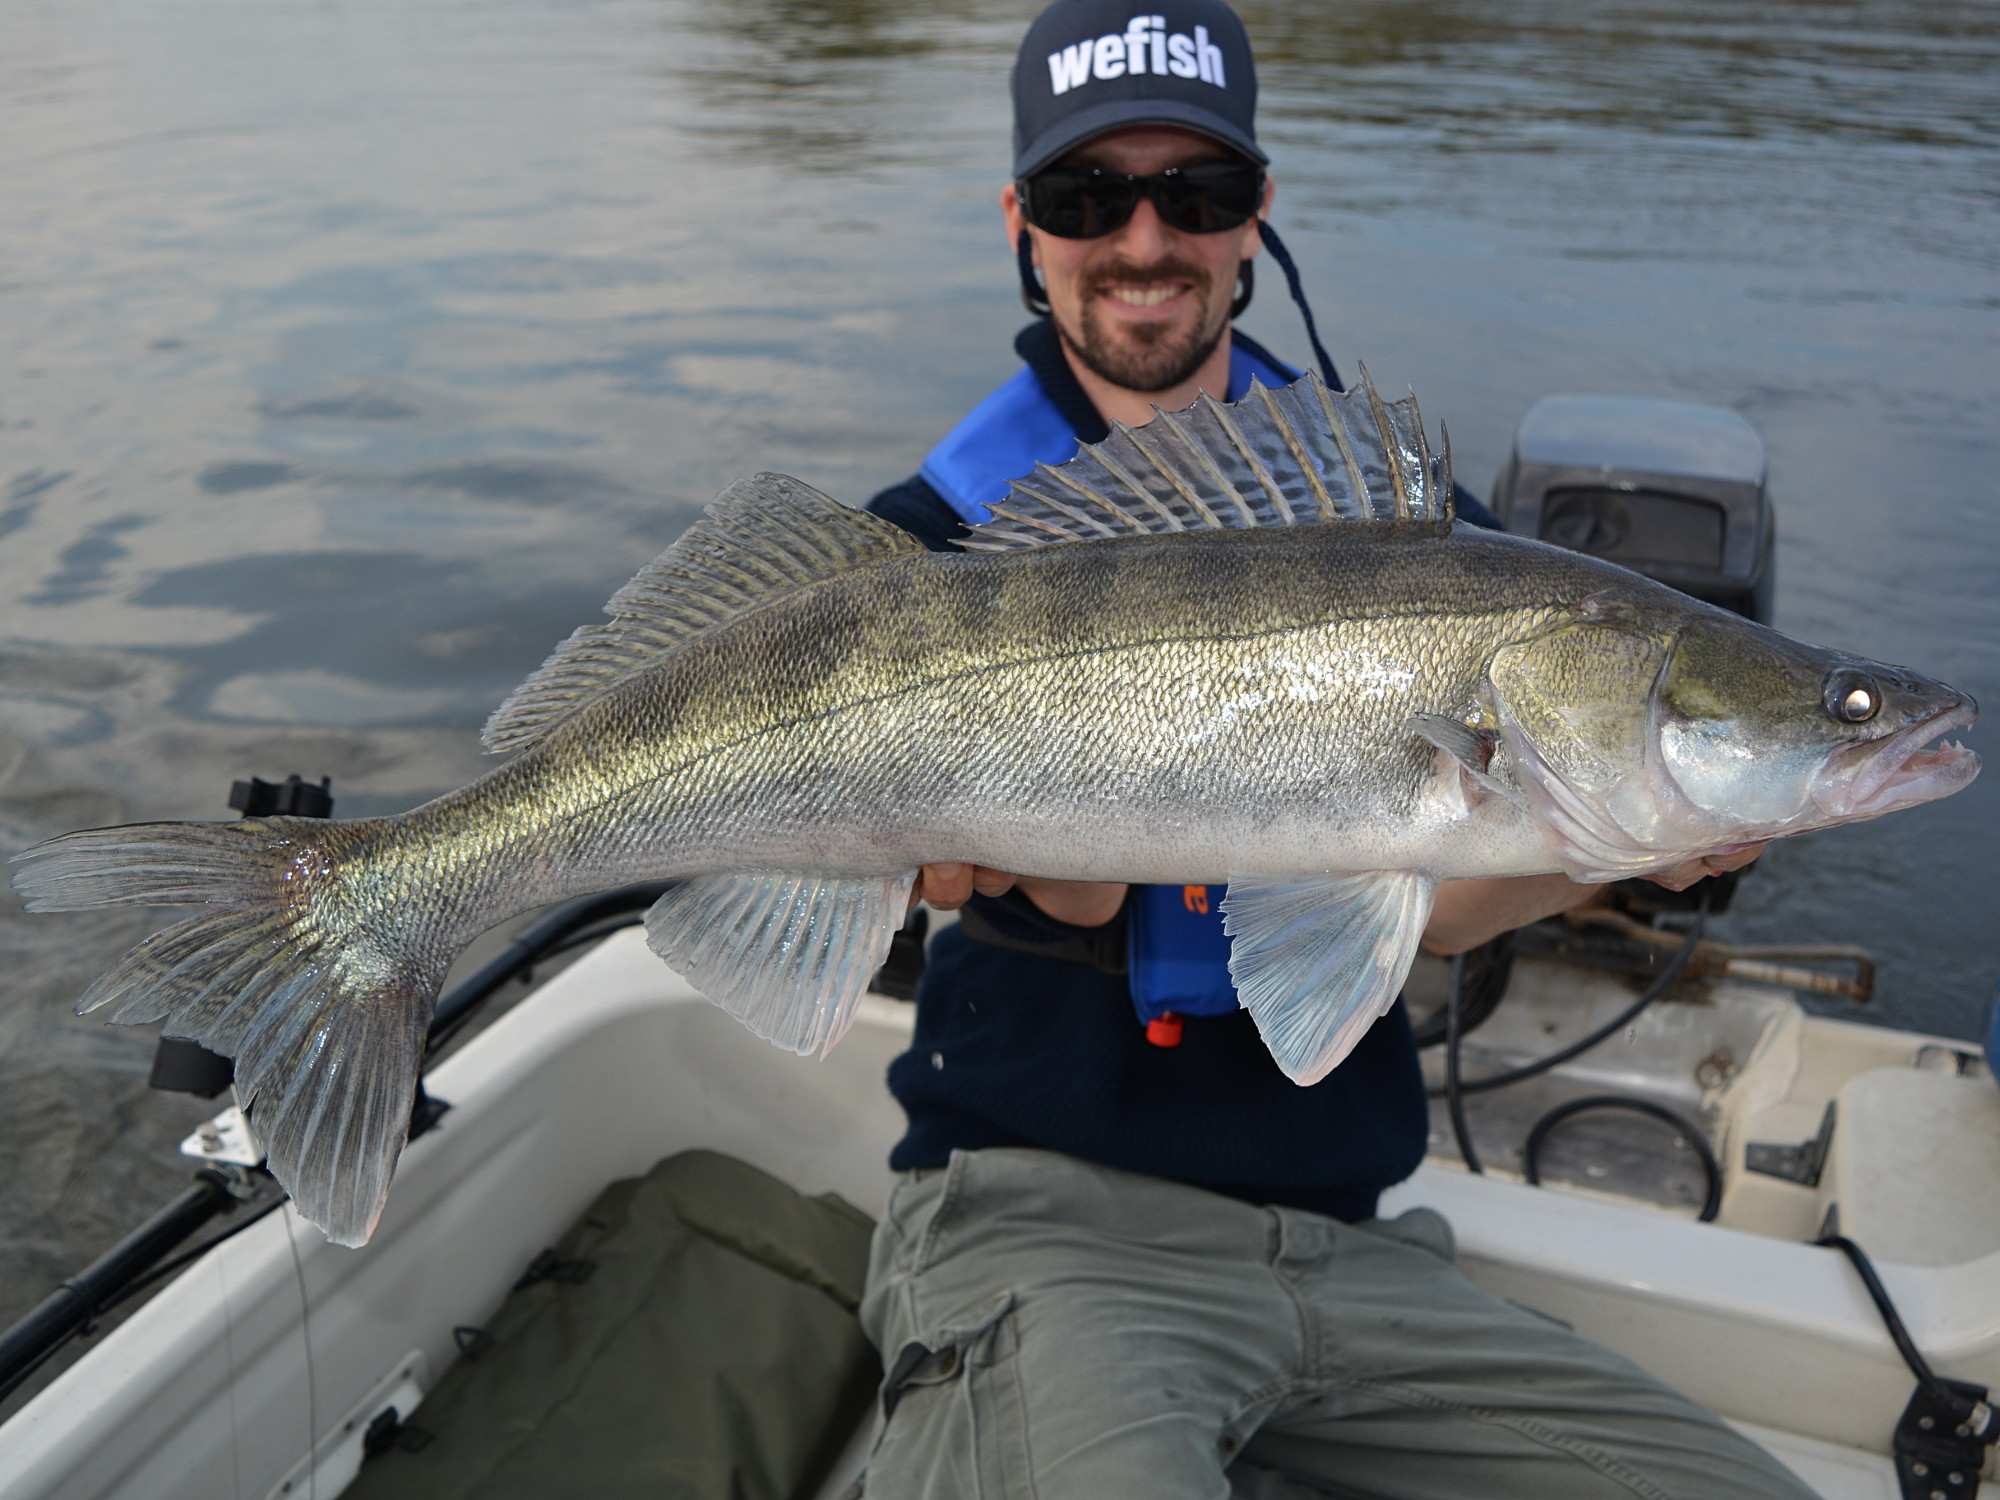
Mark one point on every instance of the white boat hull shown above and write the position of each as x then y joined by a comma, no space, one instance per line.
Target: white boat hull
254,1374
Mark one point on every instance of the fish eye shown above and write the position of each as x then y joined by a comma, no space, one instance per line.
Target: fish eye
1852,697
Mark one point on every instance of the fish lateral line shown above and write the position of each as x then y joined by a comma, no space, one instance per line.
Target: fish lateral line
946,679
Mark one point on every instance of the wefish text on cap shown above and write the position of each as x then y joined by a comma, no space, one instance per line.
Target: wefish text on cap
1089,66
1144,46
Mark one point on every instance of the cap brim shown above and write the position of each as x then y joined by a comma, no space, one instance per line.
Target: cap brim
1073,130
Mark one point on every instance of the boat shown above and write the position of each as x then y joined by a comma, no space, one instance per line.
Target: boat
1789,1216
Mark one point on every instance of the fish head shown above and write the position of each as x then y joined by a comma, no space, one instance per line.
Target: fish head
1646,732
1783,737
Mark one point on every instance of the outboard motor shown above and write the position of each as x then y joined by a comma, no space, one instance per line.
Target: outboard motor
1666,488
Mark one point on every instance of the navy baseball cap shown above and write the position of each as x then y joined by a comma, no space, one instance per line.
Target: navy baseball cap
1088,66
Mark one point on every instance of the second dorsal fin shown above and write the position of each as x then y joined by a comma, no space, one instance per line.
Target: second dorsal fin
760,539
1295,456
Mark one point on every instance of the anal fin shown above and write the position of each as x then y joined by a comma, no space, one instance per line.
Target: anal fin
1316,963
787,955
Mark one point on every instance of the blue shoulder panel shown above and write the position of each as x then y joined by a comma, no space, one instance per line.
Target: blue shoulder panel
1001,439
1243,364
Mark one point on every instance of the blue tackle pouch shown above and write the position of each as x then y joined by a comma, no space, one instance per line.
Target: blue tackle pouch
1177,957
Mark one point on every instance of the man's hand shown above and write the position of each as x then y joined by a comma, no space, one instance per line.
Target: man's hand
1680,877
1081,903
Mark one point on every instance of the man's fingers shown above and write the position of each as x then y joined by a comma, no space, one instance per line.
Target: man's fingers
947,887
992,882
1735,860
1681,876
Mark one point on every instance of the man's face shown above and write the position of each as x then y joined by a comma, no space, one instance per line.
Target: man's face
1144,305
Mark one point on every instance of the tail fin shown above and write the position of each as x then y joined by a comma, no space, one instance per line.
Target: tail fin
326,1024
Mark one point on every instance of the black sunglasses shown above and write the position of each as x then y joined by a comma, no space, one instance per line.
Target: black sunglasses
1081,203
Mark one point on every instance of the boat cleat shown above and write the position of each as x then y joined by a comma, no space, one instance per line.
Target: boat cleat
225,1139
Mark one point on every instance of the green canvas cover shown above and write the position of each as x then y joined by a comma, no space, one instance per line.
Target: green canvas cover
709,1350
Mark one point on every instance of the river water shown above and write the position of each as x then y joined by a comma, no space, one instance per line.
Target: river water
356,351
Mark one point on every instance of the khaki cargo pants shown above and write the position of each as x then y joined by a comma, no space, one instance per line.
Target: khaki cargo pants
1060,1330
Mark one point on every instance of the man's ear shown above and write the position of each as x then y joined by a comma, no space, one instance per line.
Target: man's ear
1010,208
1254,241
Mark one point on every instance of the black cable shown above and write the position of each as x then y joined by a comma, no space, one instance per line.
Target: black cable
1453,1002
1661,983
1487,971
21,1376
583,939
187,1258
1966,1411
1297,288
587,915
1711,1169
130,1290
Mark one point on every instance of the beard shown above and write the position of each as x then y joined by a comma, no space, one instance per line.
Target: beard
1153,357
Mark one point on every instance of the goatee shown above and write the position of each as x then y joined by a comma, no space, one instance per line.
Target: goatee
1148,357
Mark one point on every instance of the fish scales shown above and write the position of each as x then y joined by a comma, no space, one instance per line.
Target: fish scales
862,719
1330,704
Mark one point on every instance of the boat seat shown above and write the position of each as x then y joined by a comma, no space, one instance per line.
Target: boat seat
1915,1166
693,1334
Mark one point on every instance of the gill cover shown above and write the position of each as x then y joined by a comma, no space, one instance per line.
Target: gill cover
1575,705
1745,727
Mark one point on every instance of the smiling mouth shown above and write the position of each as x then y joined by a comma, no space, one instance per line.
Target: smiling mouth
1144,296
1899,771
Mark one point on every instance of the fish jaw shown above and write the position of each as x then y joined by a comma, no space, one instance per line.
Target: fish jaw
1868,780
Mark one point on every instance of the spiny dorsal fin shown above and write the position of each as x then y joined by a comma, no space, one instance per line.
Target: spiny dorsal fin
761,539
1289,457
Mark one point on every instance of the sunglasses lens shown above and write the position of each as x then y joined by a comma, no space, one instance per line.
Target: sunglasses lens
1081,203
1208,196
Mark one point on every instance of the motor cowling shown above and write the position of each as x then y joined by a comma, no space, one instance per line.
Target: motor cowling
1671,489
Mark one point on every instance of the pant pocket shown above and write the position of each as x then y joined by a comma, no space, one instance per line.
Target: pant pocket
1423,1228
944,1356
954,1416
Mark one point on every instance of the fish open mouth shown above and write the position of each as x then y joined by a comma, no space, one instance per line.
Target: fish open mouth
1867,780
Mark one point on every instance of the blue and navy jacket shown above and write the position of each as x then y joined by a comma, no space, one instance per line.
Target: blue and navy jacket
1029,1031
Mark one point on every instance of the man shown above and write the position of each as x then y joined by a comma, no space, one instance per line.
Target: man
1135,1259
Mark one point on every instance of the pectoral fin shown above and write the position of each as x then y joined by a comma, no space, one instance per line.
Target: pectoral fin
1317,963
1468,753
787,955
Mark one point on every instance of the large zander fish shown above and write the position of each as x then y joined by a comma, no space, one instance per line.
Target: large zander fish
1242,643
